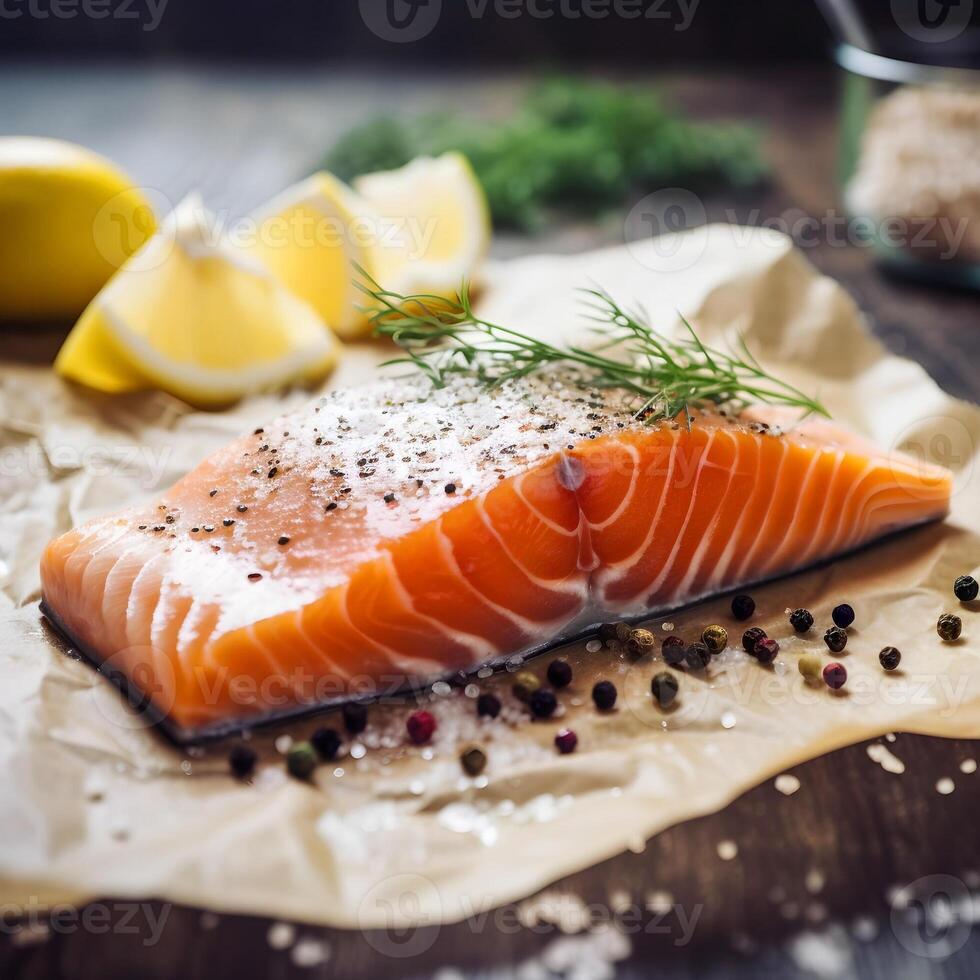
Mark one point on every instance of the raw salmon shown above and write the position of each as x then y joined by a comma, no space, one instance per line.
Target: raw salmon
396,533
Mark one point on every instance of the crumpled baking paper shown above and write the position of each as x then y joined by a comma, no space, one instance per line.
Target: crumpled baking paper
93,803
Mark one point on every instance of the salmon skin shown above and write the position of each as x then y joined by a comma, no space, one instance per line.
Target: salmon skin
393,534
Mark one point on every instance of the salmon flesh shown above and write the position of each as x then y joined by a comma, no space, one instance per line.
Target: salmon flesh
393,534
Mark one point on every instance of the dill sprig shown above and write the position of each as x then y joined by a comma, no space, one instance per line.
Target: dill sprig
666,377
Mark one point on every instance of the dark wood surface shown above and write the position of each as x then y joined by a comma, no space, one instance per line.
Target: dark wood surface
860,829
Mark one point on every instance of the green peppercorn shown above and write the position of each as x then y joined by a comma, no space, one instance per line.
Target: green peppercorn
664,688
801,620
835,638
810,667
965,588
949,627
715,638
301,760
525,684
623,632
697,656
473,760
640,642
889,658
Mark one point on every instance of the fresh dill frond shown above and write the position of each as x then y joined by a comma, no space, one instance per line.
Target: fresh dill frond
667,377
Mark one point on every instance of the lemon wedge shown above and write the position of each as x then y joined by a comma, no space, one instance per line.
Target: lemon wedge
442,218
422,228
68,220
190,315
313,236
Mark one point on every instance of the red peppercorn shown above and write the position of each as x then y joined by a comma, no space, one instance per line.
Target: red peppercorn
421,725
565,741
766,650
751,637
835,676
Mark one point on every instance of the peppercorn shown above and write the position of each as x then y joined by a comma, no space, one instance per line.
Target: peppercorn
543,703
420,726
525,684
301,760
326,741
842,615
604,694
766,650
835,638
742,607
640,642
488,706
715,638
241,761
889,658
835,676
283,538
949,627
697,656
809,666
672,650
623,632
355,717
965,588
473,760
565,741
801,620
751,637
559,673
664,688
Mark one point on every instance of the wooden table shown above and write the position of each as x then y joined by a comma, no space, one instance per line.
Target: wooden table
820,863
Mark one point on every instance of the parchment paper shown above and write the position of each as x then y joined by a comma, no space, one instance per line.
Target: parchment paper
91,803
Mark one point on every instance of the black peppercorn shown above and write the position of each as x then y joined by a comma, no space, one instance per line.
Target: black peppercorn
842,615
751,637
949,627
284,539
607,632
742,607
715,638
801,620
543,703
604,694
355,717
697,656
965,588
326,741
889,658
488,706
241,761
473,760
672,650
835,638
559,673
664,687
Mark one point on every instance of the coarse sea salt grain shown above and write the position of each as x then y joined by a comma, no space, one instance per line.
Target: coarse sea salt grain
945,786
968,766
727,850
281,935
787,784
593,646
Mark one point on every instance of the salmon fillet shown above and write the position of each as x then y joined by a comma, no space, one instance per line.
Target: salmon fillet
397,533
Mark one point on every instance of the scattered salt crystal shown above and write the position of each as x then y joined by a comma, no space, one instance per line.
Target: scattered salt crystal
878,753
659,902
728,720
968,766
281,935
283,744
727,850
593,646
865,929
667,627
310,952
357,751
787,784
484,672
209,921
945,786
441,689
823,954
427,754
471,691
339,771
186,767
416,787
890,737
